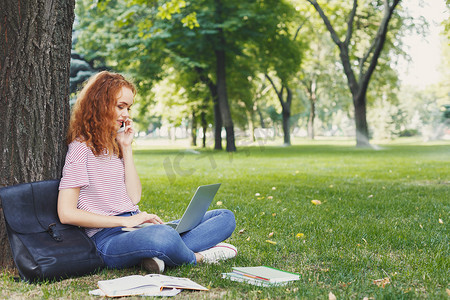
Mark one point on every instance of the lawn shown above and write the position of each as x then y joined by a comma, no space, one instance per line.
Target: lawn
383,217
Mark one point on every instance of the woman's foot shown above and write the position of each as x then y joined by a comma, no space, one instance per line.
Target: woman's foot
153,265
221,251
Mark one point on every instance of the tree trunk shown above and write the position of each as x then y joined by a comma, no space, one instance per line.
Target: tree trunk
261,118
194,129
362,130
35,42
312,91
251,123
312,116
286,109
222,98
286,127
222,95
204,128
217,124
217,115
287,117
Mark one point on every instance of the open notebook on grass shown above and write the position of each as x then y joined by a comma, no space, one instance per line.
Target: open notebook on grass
151,284
195,211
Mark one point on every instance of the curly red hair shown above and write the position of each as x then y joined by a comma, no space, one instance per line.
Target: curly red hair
93,115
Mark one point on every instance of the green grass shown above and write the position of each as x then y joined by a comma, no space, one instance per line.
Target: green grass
384,214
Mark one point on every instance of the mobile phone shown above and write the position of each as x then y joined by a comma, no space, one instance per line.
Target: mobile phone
122,128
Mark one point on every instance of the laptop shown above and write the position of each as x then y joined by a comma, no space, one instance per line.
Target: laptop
195,211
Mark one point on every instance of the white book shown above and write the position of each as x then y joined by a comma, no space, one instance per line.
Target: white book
148,284
266,274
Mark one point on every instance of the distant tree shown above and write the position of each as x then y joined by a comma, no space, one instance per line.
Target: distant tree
80,71
366,61
35,42
278,54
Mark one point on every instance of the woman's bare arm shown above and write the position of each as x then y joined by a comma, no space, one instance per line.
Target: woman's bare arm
69,214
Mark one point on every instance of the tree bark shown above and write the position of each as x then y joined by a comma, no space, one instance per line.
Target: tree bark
222,95
194,129
204,127
217,124
222,98
217,114
312,94
312,116
286,109
35,45
286,127
362,130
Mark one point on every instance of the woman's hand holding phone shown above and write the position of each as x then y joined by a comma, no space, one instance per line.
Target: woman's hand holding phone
125,134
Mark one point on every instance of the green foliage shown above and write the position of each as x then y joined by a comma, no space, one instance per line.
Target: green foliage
174,42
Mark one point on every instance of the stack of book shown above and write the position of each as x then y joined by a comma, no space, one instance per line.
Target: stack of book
261,276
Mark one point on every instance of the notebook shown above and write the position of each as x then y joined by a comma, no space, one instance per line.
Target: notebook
194,212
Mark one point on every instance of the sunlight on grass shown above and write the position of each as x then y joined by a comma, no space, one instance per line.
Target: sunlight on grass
354,222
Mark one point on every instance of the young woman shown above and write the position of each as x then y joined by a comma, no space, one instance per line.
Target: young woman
100,188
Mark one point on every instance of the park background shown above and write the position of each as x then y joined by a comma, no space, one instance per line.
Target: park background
356,222
290,74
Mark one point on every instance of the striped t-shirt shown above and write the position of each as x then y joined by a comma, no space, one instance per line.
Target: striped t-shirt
101,180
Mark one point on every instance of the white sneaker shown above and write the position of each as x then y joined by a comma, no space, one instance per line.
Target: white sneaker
221,251
153,265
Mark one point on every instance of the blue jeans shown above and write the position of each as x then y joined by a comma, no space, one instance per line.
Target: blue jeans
121,249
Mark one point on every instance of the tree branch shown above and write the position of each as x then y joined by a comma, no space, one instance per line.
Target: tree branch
272,83
378,43
297,31
279,93
351,18
325,19
343,47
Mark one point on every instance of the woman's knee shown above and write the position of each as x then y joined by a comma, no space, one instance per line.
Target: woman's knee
230,218
160,235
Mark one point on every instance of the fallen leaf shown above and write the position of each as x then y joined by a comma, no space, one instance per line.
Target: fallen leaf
440,221
381,282
271,234
274,214
316,202
219,203
331,296
242,231
448,291
271,242
300,235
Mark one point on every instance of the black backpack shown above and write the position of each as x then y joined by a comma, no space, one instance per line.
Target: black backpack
42,247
